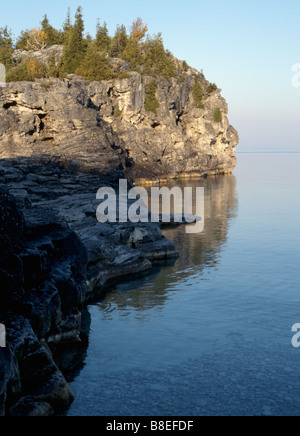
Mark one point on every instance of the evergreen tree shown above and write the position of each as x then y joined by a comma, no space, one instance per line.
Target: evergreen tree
151,102
119,41
22,40
53,36
67,26
102,38
133,55
198,93
218,116
95,65
157,61
75,46
6,48
53,69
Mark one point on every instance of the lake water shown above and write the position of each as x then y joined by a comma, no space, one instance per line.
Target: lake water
211,333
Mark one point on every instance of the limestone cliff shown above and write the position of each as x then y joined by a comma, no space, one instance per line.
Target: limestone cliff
103,125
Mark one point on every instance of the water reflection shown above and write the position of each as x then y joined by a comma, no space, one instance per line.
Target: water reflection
197,252
137,300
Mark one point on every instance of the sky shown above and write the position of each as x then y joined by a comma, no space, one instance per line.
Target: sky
247,48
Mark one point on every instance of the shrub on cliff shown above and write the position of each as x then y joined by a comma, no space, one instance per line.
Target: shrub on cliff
211,88
218,116
95,66
198,94
6,48
29,71
151,102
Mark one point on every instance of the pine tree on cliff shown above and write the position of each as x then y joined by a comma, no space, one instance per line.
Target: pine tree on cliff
157,61
133,53
102,38
53,36
75,46
119,41
6,48
95,65
67,26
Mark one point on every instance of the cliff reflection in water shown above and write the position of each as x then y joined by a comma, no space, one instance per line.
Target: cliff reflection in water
197,251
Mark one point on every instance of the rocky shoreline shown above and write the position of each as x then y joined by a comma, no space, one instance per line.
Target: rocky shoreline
56,256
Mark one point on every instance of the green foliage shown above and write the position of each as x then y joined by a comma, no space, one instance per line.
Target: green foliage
92,57
95,66
103,40
28,71
211,87
67,26
133,55
47,85
198,94
22,40
123,75
75,45
118,113
157,62
53,70
6,48
53,36
218,116
185,66
151,102
118,42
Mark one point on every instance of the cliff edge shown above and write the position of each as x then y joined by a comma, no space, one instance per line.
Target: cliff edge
158,128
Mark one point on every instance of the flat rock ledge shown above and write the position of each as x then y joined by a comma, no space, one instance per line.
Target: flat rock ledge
55,257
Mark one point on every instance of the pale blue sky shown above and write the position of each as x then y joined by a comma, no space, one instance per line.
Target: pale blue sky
247,48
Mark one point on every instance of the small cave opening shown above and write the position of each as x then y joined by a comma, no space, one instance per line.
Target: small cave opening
9,105
155,124
91,105
42,124
179,118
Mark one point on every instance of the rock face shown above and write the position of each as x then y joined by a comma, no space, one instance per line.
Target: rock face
57,117
42,56
54,257
105,124
180,140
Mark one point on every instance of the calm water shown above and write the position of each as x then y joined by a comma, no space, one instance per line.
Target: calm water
210,334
